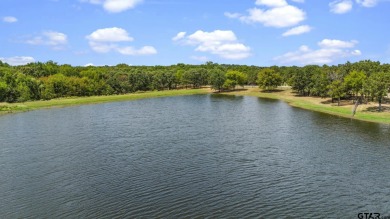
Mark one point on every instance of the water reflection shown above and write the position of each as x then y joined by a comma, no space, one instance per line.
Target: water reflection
195,156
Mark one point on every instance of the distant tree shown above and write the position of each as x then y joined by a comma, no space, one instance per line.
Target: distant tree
336,90
3,91
268,79
217,79
321,82
300,80
378,85
234,78
353,82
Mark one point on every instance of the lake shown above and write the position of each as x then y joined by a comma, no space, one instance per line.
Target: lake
201,156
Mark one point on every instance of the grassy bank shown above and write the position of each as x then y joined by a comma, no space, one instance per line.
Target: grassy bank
366,112
73,101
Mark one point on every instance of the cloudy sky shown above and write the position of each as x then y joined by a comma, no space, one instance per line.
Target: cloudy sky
165,32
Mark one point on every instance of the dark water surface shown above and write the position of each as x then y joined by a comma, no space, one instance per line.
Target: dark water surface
195,156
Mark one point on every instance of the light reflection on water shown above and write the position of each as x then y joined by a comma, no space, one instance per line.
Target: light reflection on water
194,156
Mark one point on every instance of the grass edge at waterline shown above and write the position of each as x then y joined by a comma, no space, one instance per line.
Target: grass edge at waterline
6,108
314,104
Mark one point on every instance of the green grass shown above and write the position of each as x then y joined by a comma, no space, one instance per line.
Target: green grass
304,103
74,101
309,104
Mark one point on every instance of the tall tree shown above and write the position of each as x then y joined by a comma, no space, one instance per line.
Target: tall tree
234,78
336,90
354,82
268,79
378,85
217,79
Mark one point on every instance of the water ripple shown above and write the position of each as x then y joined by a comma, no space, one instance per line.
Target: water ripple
191,157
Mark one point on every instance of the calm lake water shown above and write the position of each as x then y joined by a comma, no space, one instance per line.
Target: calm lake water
204,156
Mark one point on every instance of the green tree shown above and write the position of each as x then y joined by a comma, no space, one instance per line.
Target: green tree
217,79
234,78
378,85
336,90
321,82
354,82
268,79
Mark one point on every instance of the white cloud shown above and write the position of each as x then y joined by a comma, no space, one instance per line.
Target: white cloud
327,43
113,34
115,6
179,36
18,60
278,14
356,52
272,3
146,50
222,43
55,40
328,52
10,19
232,15
285,16
297,30
88,64
367,3
341,6
216,36
109,39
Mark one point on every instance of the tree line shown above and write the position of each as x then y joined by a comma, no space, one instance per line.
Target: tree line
361,81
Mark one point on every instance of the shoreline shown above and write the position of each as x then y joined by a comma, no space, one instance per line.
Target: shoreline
11,108
365,112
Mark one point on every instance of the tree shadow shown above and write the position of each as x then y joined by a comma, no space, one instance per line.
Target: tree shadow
376,109
271,91
229,91
328,101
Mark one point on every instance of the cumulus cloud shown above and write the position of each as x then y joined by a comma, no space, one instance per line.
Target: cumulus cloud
10,19
367,3
55,40
18,60
297,30
327,43
115,6
179,36
223,43
272,3
277,14
146,50
341,6
328,52
113,34
111,39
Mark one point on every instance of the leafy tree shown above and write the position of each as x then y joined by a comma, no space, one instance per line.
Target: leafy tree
354,82
336,90
217,79
301,80
321,82
3,91
229,84
234,78
378,85
268,79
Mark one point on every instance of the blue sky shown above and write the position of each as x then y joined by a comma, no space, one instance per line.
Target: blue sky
165,32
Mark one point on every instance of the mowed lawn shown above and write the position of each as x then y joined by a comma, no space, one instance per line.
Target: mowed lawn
73,101
366,112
